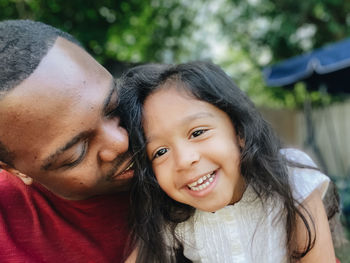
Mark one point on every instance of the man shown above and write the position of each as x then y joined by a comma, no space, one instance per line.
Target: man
63,152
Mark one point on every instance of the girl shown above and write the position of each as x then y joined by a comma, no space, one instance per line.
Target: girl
212,182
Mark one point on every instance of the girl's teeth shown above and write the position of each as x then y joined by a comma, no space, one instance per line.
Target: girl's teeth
202,182
193,184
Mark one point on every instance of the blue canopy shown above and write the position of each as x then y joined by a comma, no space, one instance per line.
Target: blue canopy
323,61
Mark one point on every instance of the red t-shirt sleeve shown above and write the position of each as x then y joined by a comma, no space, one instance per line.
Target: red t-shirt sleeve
37,226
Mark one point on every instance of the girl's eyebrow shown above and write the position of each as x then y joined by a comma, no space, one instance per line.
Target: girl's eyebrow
184,121
198,115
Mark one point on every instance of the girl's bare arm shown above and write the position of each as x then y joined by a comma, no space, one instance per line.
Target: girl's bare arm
132,257
323,250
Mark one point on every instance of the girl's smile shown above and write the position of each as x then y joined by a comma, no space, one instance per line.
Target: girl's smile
203,187
193,148
202,182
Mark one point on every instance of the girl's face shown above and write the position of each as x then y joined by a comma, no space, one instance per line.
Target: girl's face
194,150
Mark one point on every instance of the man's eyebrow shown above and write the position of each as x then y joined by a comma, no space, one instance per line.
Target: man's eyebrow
107,101
49,161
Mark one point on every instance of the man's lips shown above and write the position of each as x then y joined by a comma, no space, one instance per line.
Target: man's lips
125,173
122,165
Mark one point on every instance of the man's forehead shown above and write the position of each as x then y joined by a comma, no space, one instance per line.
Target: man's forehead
64,70
64,49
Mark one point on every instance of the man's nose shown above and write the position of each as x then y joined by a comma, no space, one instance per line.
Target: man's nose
114,140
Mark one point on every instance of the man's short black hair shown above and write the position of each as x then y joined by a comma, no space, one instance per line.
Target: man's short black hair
23,44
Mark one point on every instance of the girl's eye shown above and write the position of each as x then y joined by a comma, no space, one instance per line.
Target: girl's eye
159,153
197,133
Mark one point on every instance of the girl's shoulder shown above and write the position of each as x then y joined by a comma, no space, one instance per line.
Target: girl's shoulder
298,156
304,180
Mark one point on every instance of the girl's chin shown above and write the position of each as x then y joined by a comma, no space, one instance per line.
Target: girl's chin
212,208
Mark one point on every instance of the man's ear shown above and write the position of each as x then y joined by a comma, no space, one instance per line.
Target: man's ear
25,178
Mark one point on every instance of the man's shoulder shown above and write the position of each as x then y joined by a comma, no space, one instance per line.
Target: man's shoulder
10,186
6,180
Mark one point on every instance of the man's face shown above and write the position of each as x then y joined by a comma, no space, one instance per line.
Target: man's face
58,124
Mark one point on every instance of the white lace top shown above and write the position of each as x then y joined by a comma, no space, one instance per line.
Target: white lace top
246,232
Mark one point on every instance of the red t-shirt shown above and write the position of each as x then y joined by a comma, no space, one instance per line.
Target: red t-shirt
37,226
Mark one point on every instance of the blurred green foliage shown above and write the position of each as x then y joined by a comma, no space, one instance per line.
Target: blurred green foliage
123,30
286,27
253,33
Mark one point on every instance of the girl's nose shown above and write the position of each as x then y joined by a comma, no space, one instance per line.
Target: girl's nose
186,158
114,140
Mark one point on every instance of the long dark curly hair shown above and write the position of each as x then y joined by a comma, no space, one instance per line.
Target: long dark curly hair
153,214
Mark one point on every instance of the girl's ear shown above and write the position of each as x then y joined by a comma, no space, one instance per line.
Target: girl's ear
241,142
240,139
25,178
